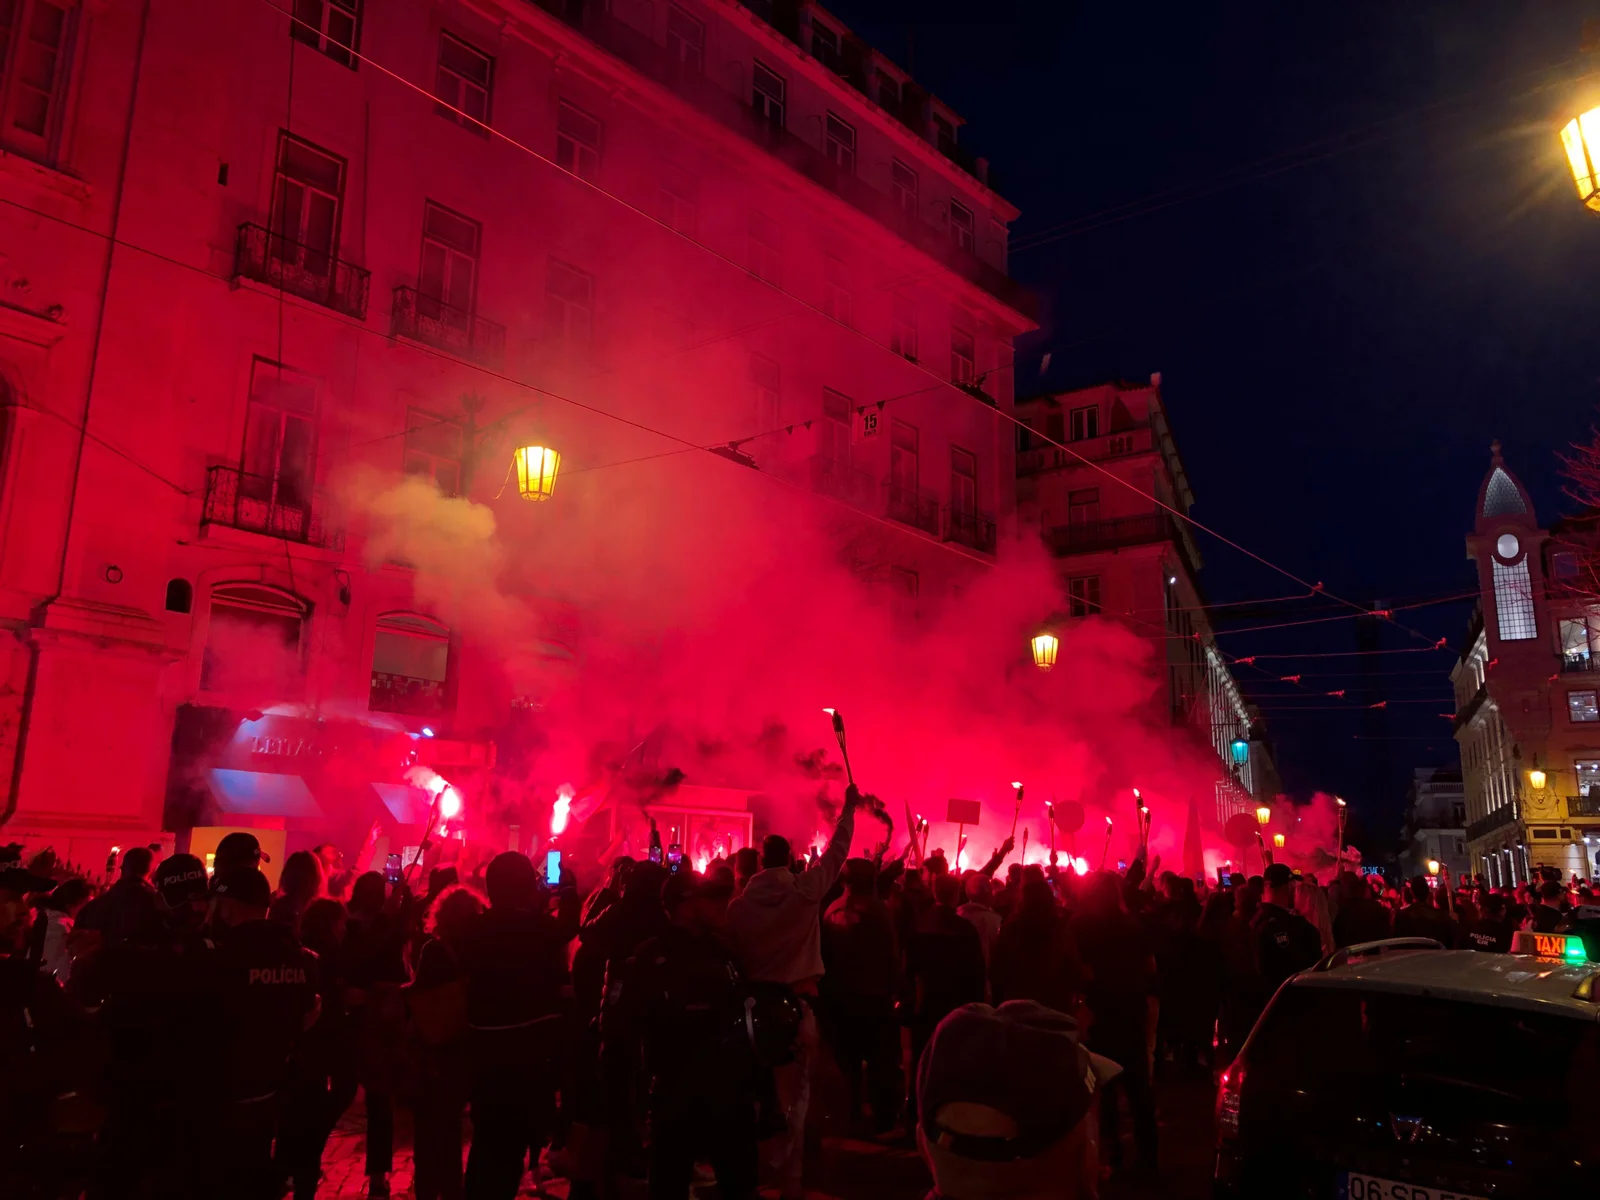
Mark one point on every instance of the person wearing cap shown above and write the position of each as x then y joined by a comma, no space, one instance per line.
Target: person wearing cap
515,962
1285,942
1421,917
676,1001
150,994
264,989
238,851
1005,1096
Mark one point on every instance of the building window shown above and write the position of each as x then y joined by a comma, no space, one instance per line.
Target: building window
180,595
409,657
963,482
679,210
1083,595
838,301
1588,778
904,180
463,82
841,144
577,142
252,647
568,305
944,135
963,231
904,466
279,462
686,38
1085,423
888,92
1513,601
448,279
963,355
767,93
433,449
903,326
1581,706
1575,644
1083,506
766,254
825,46
833,441
35,56
331,26
766,392
306,198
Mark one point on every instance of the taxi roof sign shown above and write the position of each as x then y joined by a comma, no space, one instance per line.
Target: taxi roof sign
1568,947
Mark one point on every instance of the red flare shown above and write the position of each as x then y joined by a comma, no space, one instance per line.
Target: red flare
1385,613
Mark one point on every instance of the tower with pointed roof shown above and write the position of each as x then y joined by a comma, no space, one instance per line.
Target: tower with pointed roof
1527,722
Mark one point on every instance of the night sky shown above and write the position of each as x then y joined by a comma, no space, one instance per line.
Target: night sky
1346,236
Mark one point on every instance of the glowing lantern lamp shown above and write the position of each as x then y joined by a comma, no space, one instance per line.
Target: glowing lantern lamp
1581,137
1241,751
1277,841
1045,647
1536,778
1433,866
536,471
1263,814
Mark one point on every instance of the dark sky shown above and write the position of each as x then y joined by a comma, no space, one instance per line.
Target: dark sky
1355,254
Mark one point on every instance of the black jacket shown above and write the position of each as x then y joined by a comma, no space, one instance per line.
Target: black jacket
1286,944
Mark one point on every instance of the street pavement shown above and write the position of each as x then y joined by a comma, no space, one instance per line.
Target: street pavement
853,1169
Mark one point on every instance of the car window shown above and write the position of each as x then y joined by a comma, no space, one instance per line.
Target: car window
1487,1057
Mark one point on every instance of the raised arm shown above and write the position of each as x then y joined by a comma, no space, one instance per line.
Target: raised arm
816,881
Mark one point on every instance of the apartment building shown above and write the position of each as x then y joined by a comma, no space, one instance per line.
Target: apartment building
247,248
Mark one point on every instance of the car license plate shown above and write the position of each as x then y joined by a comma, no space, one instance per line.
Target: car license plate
1355,1186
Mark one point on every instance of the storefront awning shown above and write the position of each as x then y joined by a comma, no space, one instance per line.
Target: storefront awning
407,805
263,794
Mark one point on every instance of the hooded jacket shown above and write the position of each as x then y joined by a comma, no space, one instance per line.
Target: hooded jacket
775,925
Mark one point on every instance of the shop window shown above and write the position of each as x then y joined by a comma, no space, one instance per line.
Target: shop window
253,644
1581,706
409,656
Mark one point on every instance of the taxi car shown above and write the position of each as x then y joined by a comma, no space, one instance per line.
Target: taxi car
1398,1070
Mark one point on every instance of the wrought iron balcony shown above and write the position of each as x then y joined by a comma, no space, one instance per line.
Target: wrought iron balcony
1112,445
914,507
1584,806
423,318
303,271
1506,814
974,529
840,480
279,508
406,694
1574,663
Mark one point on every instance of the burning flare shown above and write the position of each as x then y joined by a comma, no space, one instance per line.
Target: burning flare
561,809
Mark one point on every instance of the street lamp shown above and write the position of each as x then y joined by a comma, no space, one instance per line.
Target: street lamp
1277,841
536,471
1536,779
1045,647
1581,137
1433,866
1240,748
1263,814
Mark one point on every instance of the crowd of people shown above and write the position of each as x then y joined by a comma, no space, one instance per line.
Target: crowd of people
198,1033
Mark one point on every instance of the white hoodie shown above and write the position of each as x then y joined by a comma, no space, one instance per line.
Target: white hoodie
775,925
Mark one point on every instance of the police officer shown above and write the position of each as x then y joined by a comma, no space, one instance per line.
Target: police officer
149,996
1285,942
679,999
264,997
1491,931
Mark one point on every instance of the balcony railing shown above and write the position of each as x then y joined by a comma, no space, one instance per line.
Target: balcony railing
1112,445
1144,529
279,508
644,55
406,694
974,529
840,480
1506,814
914,507
1583,806
1572,664
303,271
422,318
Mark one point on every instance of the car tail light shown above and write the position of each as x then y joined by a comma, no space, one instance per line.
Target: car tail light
1228,1090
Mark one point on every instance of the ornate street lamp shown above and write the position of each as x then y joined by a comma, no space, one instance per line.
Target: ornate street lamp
1536,779
536,471
1045,647
1263,814
1277,841
1581,138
